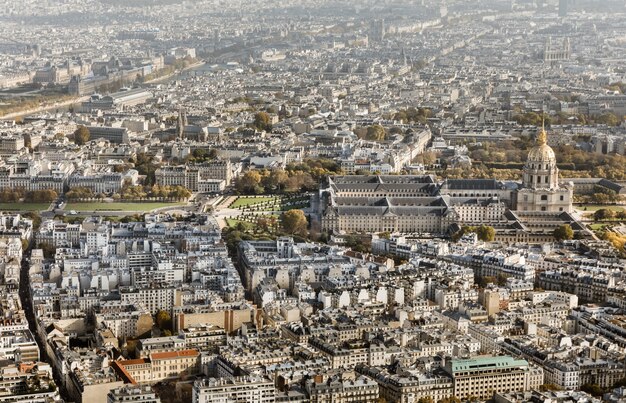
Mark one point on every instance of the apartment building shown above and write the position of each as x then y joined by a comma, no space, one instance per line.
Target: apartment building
481,377
133,394
209,177
346,387
159,366
106,182
153,299
248,389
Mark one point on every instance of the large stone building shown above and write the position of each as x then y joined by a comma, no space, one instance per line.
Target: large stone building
541,190
209,177
406,204
520,212
481,377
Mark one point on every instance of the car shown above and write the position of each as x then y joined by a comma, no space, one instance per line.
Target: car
73,212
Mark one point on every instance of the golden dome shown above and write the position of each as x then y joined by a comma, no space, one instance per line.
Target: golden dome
541,153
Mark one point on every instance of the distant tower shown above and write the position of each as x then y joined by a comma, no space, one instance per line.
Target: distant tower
563,5
377,30
181,123
443,10
554,53
403,58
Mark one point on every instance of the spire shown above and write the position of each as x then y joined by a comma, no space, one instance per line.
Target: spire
542,137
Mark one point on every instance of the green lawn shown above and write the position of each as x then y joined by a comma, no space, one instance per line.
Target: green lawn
247,201
119,206
19,206
231,222
592,208
597,227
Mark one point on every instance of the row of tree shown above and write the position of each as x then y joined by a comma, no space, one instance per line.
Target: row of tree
79,193
292,222
138,192
200,155
413,115
536,119
485,233
300,177
503,161
130,192
32,196
608,214
275,181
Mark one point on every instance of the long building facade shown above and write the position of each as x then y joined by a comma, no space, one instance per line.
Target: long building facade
413,204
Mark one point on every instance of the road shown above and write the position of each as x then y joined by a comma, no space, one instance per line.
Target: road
27,306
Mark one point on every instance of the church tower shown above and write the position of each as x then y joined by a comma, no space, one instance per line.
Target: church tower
541,190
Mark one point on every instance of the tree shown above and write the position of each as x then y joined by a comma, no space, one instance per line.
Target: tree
564,232
40,196
609,119
603,214
48,250
376,133
145,166
213,154
164,320
81,135
250,183
427,158
618,241
550,386
483,281
294,222
276,180
262,121
79,193
486,233
8,195
35,217
593,389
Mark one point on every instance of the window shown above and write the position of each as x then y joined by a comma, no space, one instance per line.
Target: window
544,197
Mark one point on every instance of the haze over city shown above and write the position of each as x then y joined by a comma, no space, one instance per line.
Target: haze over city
326,201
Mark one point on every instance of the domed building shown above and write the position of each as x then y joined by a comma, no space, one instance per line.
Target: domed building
541,190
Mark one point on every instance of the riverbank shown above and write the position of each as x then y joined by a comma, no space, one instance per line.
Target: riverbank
44,108
159,80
